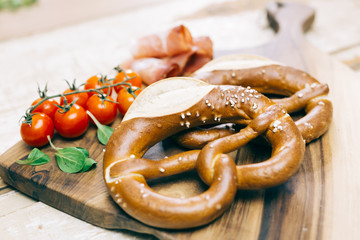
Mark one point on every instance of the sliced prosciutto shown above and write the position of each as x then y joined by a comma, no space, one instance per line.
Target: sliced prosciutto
168,54
152,69
165,44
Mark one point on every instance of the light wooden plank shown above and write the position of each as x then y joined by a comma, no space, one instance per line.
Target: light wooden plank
38,221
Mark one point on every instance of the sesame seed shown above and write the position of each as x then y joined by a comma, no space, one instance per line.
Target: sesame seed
182,116
197,114
254,106
300,95
276,123
161,169
145,195
233,74
180,158
321,103
188,114
242,94
132,156
187,124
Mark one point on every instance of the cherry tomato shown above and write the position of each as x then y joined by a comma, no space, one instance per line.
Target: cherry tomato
125,99
35,134
48,107
80,98
96,82
120,77
73,123
104,111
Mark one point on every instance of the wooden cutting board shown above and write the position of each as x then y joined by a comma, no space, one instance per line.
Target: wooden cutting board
320,202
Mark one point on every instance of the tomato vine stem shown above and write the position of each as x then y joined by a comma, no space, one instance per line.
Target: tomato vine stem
83,91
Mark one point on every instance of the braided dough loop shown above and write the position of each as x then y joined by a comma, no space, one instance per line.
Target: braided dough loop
172,105
269,77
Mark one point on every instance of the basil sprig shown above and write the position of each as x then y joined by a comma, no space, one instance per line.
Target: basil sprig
72,159
69,159
36,157
104,132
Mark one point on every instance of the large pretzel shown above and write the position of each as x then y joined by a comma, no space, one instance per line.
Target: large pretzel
302,91
175,104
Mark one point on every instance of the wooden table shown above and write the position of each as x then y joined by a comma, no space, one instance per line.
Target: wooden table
81,50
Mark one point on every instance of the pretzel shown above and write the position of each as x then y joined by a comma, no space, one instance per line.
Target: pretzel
268,77
172,105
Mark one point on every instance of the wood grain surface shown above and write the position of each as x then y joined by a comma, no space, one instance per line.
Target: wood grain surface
319,202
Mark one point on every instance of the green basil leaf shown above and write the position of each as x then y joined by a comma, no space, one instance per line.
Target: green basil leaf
103,133
89,162
70,159
35,158
83,150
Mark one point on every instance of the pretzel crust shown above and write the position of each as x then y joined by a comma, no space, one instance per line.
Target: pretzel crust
125,171
301,91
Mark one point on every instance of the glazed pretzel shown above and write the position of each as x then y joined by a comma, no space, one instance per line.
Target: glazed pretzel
302,91
175,104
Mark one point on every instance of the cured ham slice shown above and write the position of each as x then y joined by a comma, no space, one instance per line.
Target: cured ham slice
168,54
152,69
166,44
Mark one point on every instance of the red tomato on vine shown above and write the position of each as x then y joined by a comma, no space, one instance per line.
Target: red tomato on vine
103,108
135,80
97,81
125,99
80,98
35,129
48,107
72,122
